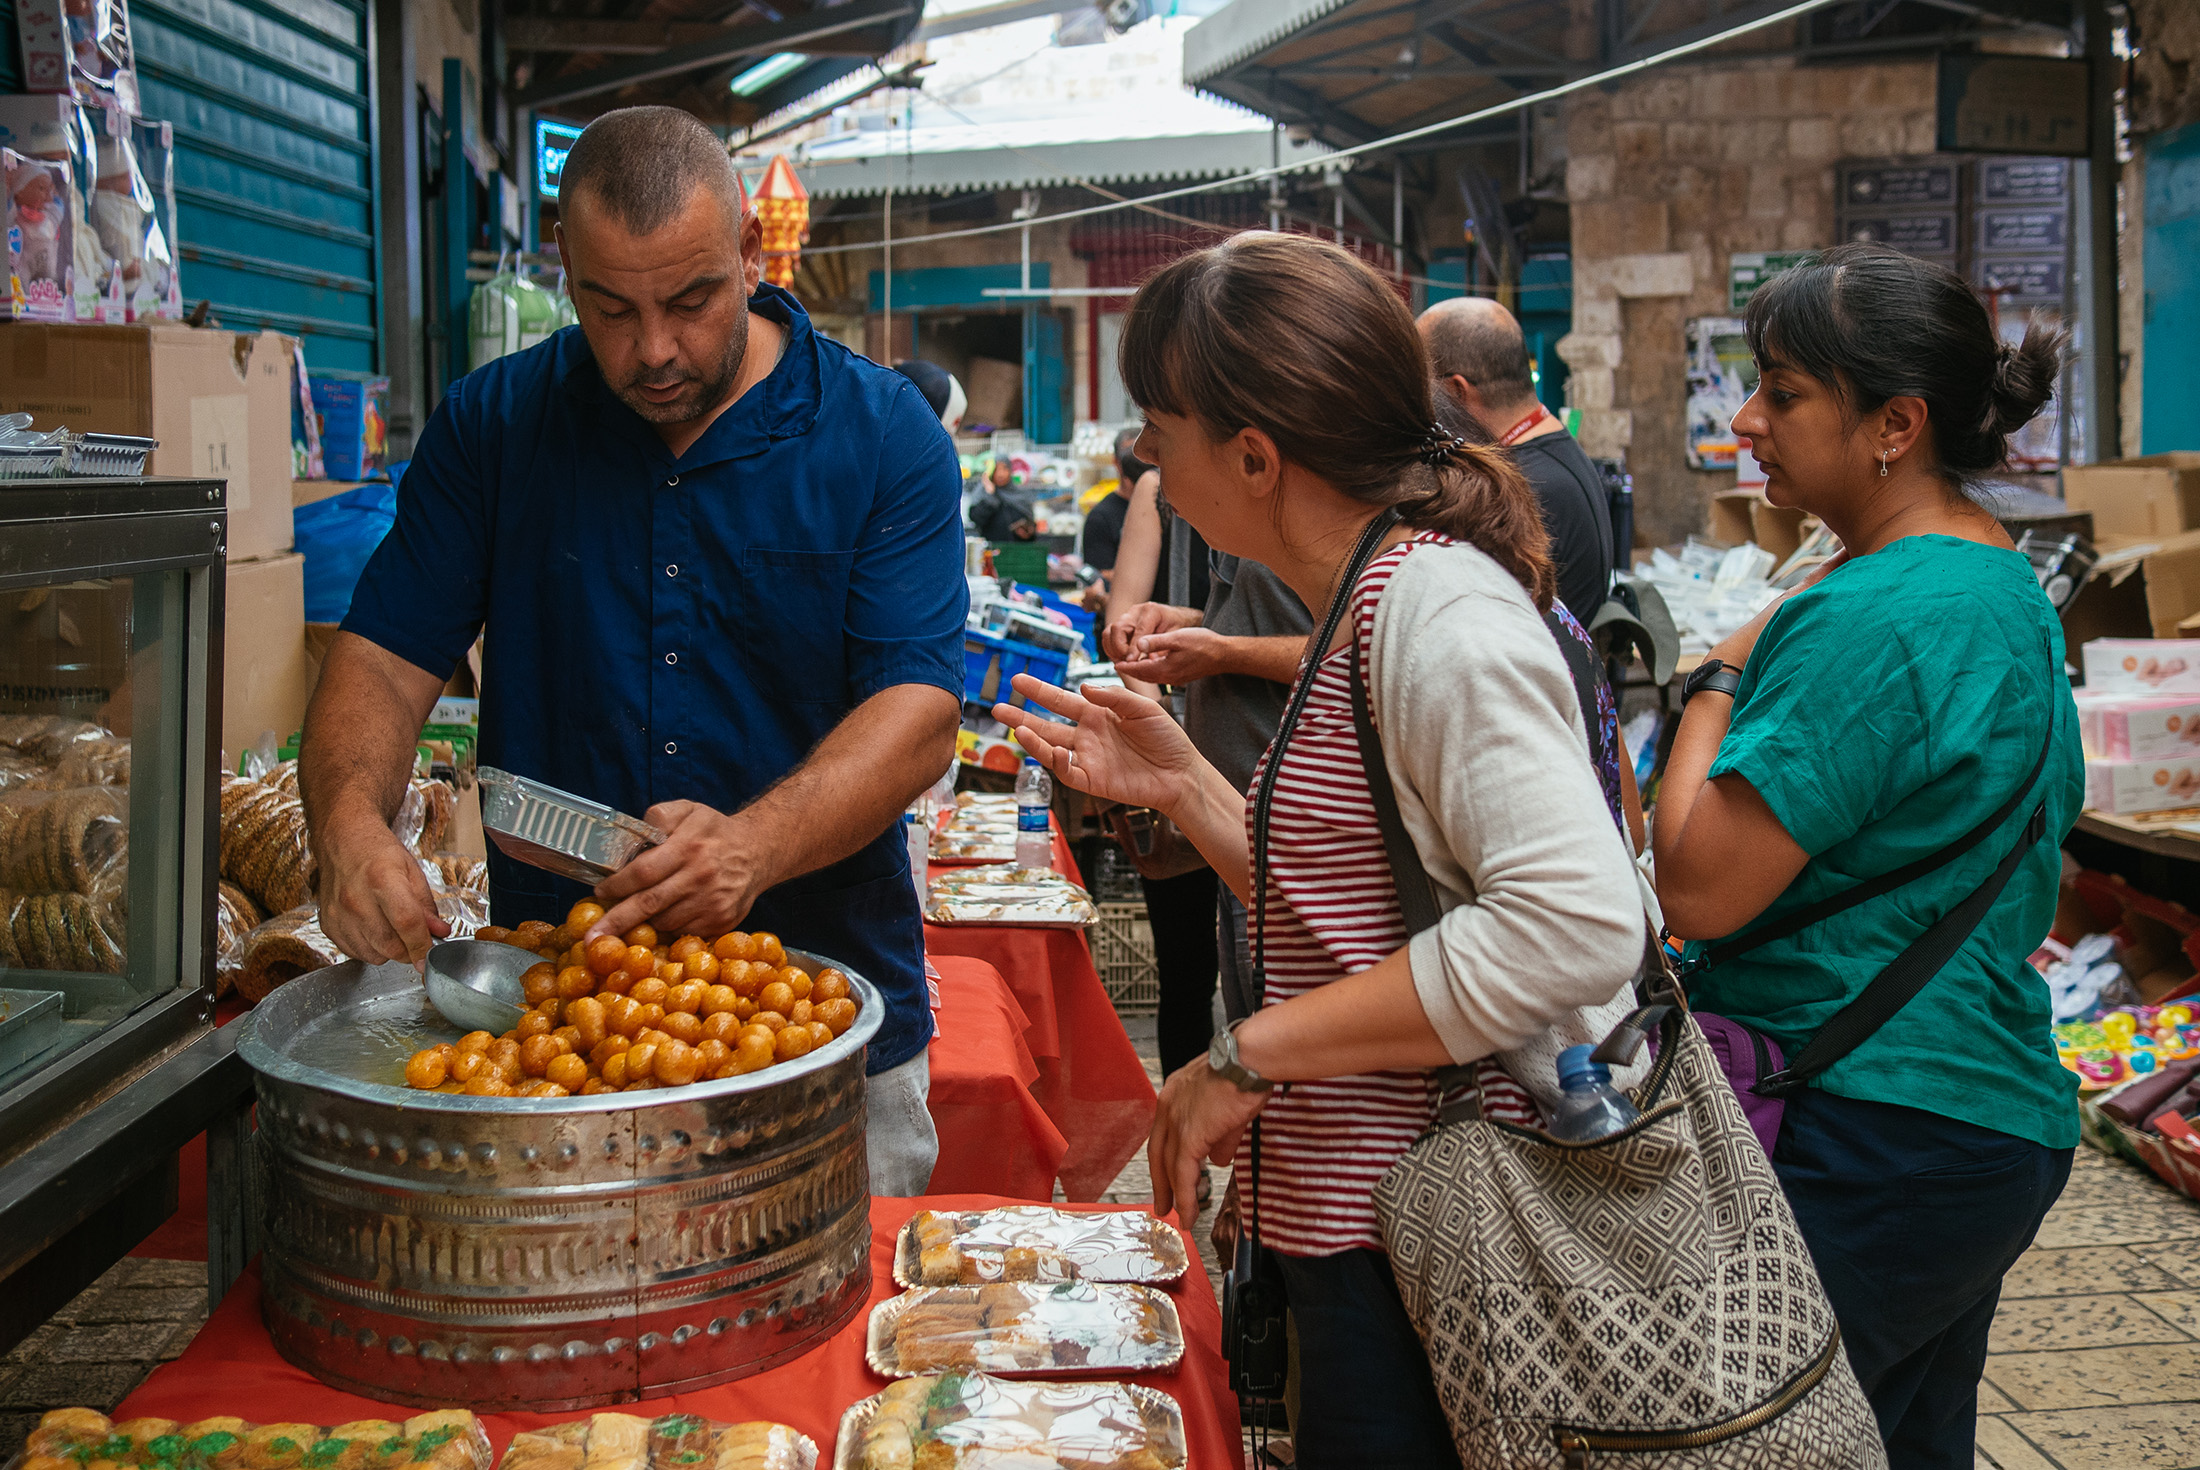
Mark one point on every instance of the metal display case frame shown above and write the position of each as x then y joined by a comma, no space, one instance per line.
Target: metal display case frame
89,1140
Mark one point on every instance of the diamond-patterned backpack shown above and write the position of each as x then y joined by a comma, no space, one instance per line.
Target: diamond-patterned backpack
1639,1300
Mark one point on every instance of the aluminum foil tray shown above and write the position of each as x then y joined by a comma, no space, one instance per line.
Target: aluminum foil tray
109,454
30,1022
555,830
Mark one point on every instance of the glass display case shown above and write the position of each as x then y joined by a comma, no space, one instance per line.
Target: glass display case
110,680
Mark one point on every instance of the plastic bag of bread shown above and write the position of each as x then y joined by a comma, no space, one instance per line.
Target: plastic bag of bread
283,948
102,760
69,1439
71,841
439,804
456,870
264,849
61,931
672,1442
45,738
235,917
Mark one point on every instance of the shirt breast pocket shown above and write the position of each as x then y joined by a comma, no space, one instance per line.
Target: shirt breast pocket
792,622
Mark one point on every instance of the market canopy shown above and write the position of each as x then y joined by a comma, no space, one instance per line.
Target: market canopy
949,151
1353,71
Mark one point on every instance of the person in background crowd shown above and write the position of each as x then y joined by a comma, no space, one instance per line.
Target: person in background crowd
1003,510
1857,726
1481,361
939,387
1104,522
1288,406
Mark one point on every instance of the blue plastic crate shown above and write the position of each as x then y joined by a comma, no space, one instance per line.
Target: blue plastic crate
989,663
1087,624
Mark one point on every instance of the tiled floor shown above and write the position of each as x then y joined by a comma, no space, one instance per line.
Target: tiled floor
2095,1359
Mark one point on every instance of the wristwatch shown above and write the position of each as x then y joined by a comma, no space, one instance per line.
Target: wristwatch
1222,1057
1713,674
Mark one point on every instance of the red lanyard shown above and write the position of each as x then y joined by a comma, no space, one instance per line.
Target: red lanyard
1514,434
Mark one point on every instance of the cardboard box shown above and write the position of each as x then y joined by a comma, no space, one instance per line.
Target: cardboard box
2142,786
2141,727
218,402
2138,589
266,677
1743,515
995,393
2140,668
66,651
2153,495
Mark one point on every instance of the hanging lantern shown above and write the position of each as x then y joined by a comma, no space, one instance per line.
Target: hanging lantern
783,207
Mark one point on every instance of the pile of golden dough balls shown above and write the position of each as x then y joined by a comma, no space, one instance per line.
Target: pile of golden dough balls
625,1013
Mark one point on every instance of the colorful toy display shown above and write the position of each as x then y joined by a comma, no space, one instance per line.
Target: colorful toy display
2127,1042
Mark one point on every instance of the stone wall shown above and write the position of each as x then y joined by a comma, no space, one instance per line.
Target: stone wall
1669,175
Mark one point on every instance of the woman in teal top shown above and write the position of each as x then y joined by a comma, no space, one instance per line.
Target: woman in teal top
1885,709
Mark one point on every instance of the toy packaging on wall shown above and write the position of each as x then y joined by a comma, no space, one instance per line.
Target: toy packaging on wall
2143,786
40,270
134,210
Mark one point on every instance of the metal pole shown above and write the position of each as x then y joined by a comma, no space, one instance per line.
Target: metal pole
1340,209
1026,233
2097,306
1275,186
1398,218
888,241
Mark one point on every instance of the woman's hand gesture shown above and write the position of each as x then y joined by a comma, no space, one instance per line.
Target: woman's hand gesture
1123,746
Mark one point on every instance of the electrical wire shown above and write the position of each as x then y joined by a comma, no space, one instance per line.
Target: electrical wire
1332,159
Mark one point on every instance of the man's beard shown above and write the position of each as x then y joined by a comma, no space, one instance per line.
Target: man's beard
699,394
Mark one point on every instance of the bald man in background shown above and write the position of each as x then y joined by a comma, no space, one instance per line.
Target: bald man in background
1481,361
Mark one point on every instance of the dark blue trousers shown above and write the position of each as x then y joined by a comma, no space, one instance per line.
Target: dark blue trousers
1912,1219
1365,1395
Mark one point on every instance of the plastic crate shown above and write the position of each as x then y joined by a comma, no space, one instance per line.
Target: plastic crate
1122,951
990,662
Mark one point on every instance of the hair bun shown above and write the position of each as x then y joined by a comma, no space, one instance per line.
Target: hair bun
2024,377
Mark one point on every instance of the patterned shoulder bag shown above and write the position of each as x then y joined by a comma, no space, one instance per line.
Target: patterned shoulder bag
1640,1300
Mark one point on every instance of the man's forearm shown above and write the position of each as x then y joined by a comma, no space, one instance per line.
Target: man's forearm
360,732
857,783
1275,659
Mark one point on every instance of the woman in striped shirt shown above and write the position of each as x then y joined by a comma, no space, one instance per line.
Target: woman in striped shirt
1287,403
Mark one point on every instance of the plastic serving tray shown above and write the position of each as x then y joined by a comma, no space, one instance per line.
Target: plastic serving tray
558,831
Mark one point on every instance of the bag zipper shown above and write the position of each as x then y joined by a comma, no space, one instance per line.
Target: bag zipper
1577,1444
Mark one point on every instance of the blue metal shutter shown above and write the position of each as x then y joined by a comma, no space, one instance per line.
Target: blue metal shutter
271,102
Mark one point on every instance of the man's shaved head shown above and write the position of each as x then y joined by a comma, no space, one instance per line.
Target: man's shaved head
1474,338
640,165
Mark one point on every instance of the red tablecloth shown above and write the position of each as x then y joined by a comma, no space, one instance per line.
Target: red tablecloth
994,1136
1091,1082
231,1367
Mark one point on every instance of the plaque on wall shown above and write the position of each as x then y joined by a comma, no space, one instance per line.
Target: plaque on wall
2023,181
2012,104
1913,234
2030,281
1919,185
2043,230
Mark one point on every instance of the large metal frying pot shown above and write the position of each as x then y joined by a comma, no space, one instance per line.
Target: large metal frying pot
429,1249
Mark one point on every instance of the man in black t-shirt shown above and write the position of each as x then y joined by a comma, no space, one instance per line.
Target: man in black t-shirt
1104,522
1481,363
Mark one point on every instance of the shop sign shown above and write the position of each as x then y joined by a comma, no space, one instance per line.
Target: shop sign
2023,180
1747,270
2012,104
2022,229
1898,186
1913,234
2028,280
553,140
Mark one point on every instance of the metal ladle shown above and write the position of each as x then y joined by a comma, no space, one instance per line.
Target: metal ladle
475,984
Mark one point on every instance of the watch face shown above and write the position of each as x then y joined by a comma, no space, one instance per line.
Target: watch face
1218,1051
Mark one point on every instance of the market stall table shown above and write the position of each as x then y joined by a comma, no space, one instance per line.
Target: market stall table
994,1136
1091,1082
231,1367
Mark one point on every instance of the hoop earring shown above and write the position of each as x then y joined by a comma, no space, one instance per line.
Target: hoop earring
1882,464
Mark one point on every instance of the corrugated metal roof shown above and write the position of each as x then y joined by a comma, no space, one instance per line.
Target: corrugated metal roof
1244,29
1179,136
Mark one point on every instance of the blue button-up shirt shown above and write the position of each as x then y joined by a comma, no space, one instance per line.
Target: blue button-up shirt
664,627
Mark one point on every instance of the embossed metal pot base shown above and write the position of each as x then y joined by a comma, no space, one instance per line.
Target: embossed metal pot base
552,1254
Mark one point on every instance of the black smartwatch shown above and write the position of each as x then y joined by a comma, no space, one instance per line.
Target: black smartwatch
1714,675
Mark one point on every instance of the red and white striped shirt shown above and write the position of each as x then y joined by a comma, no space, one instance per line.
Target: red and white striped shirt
1333,911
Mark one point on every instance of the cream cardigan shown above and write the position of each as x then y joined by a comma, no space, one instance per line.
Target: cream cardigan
1542,925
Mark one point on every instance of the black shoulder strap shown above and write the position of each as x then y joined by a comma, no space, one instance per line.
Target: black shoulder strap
1416,896
1897,985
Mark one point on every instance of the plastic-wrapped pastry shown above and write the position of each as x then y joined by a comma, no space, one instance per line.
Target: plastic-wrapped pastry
1035,1243
969,1421
66,841
71,1439
672,1442
283,948
264,849
235,917
1017,1328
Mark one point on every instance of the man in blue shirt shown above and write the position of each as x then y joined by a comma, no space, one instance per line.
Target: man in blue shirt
719,560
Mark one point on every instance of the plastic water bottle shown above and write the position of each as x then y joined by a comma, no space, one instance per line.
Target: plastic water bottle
1592,1107
1034,799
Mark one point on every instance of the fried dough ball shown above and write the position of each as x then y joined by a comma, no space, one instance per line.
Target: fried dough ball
796,980
641,1062
488,1083
703,966
682,1026
770,1020
586,1017
687,996
676,1064
641,962
754,1052
721,1026
718,998
650,991
734,946
711,1055
613,1070
569,1072
535,1055
575,981
777,996
533,1024
476,1041
539,983
820,1033
800,1013
582,914
425,1070
792,1042
643,936
838,1014
769,949
830,984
